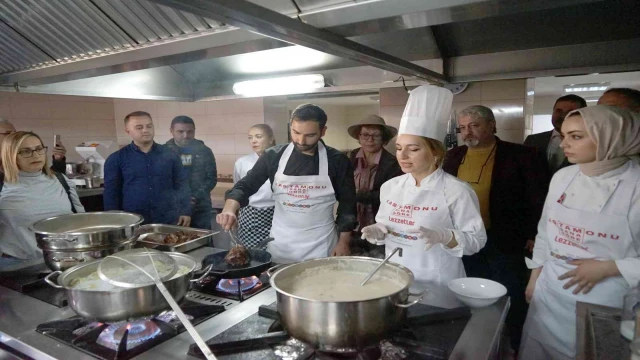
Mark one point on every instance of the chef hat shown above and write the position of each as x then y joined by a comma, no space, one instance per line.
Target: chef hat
427,112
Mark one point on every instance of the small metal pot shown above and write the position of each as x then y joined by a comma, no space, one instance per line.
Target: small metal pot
112,306
342,326
61,260
79,169
85,231
93,182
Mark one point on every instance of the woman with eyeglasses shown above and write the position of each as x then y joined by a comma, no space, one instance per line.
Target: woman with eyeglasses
431,215
588,243
373,167
30,192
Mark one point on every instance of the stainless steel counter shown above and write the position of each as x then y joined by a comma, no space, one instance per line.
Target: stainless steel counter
20,314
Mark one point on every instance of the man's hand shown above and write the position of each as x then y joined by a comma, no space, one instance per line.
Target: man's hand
588,273
59,151
341,248
531,286
227,220
529,246
184,221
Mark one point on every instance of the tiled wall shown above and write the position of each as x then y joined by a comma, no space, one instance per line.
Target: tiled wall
505,97
222,125
75,118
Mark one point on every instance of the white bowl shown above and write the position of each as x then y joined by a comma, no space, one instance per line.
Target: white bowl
477,292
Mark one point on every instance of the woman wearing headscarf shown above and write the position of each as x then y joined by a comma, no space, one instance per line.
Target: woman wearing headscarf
30,192
373,165
254,222
431,215
588,243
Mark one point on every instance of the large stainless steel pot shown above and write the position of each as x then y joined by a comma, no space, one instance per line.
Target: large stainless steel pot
61,260
111,306
347,325
84,231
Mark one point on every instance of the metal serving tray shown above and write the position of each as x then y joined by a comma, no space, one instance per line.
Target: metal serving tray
146,230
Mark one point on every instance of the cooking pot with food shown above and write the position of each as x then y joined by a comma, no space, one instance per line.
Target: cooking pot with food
95,299
321,302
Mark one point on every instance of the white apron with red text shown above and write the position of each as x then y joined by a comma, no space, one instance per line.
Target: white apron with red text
408,207
572,235
303,222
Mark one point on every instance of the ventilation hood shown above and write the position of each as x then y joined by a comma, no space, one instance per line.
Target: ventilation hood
194,50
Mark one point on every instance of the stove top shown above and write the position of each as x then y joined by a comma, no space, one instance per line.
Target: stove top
429,333
124,340
31,283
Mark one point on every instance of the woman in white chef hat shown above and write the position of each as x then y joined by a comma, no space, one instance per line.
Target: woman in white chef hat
431,215
588,243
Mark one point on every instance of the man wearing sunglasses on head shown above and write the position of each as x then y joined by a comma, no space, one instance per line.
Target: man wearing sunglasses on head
511,182
59,160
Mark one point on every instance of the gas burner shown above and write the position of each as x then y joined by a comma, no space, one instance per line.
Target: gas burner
233,286
139,332
171,318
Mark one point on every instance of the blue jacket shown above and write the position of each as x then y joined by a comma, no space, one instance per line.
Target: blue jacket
153,184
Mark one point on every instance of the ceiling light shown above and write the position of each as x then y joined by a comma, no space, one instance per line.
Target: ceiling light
586,87
596,100
279,86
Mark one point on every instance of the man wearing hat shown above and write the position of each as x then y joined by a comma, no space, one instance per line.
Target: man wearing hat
373,164
431,215
511,181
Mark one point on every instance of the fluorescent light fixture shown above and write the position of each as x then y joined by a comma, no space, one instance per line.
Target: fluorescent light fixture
299,84
277,60
586,87
594,100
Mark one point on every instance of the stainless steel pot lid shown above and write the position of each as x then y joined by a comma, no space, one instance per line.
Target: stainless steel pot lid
86,223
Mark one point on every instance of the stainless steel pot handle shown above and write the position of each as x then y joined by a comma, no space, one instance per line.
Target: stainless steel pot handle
207,270
68,259
272,270
61,238
48,280
419,295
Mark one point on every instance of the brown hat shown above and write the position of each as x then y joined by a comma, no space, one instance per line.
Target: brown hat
372,120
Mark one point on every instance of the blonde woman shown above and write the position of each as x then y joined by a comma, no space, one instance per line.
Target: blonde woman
255,219
30,192
431,215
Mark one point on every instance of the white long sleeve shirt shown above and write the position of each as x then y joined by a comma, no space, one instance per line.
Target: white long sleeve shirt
591,194
463,205
262,198
32,198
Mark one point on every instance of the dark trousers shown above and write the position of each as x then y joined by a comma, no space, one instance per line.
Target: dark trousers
201,217
509,270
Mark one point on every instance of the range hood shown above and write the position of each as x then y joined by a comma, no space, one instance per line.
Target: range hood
194,50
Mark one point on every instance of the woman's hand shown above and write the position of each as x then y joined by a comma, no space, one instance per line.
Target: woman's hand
531,286
588,273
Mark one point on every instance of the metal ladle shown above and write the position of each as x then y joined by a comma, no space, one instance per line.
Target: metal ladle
396,250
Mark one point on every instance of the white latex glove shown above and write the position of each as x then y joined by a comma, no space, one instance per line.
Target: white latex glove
432,236
374,233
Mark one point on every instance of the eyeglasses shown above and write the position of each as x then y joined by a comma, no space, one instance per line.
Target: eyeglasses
365,136
27,153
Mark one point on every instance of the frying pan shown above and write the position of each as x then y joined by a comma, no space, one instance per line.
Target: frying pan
260,261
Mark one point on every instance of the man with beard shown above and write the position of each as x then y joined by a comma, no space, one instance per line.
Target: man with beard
200,164
307,178
147,178
511,182
548,142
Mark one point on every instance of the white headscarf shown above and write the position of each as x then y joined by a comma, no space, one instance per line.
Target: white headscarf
615,131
